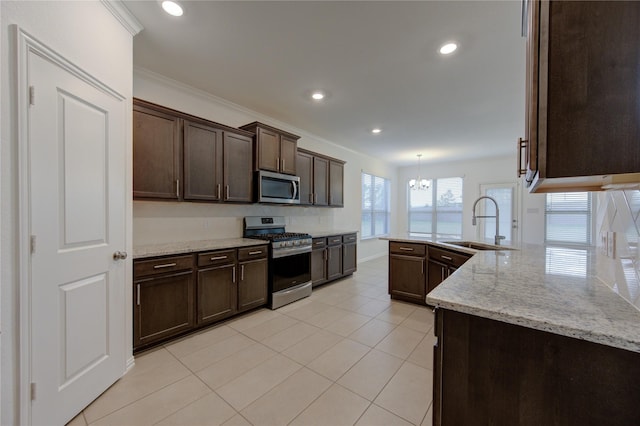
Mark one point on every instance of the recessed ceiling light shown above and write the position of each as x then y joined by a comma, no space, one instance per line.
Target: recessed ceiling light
376,131
448,48
172,8
318,96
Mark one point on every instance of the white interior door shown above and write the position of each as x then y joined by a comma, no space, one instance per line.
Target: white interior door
506,194
77,217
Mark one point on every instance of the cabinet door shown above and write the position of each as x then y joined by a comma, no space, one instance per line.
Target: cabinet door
217,293
319,266
531,92
237,181
163,307
304,167
407,277
252,287
349,258
288,149
334,262
437,272
156,154
202,162
320,181
268,150
336,184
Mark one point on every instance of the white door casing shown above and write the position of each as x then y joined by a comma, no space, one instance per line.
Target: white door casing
73,211
507,196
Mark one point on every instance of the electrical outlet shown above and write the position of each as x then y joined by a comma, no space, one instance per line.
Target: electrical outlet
611,245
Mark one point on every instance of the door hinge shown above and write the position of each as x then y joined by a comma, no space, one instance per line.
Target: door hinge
32,95
33,244
33,391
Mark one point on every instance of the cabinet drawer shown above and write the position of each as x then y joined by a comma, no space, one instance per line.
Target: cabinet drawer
163,265
319,243
448,257
410,249
349,238
257,252
334,240
220,257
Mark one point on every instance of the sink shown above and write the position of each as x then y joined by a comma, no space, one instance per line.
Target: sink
476,245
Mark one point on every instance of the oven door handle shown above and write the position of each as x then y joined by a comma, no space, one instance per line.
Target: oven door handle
295,190
290,251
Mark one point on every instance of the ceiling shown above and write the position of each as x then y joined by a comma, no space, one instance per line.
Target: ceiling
377,61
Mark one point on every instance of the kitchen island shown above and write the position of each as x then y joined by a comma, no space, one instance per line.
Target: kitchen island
532,336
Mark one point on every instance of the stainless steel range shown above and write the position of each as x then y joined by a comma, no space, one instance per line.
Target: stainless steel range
289,258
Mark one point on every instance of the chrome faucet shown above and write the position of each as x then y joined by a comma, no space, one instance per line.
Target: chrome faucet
498,237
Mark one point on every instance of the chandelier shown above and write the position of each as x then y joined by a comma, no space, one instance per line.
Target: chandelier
418,183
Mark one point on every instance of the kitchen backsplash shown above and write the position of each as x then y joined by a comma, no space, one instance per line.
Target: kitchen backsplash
618,233
163,222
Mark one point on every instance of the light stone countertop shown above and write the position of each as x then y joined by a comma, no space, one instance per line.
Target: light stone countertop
181,247
546,288
328,233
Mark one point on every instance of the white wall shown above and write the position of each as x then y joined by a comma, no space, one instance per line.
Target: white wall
492,170
87,34
157,222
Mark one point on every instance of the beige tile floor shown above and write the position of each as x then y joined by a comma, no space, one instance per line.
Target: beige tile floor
347,355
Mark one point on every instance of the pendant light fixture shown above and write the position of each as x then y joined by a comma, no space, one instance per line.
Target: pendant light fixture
419,184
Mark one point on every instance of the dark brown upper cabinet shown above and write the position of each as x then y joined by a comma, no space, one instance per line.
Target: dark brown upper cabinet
274,149
202,162
313,171
157,154
321,179
582,129
181,157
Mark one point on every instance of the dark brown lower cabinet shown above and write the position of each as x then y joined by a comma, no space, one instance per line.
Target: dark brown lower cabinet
488,372
349,254
163,307
407,277
319,261
252,286
217,293
334,262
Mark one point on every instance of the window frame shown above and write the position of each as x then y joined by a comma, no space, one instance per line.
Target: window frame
433,183
373,210
589,213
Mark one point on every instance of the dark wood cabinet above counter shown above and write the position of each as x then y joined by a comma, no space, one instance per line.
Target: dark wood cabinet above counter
180,157
321,179
274,149
177,156
582,128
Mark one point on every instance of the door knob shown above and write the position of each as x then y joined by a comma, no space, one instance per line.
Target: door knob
120,255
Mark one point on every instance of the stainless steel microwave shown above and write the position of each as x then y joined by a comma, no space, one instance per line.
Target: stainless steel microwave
277,188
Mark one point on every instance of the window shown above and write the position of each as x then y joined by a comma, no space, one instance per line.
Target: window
437,212
375,206
568,218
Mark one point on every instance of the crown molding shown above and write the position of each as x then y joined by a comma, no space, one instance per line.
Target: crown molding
123,15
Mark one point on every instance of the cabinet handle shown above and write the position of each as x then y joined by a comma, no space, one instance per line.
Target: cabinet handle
241,272
522,144
166,265
442,274
218,257
282,165
255,252
233,275
422,267
219,187
406,249
311,198
278,163
445,257
227,190
178,188
138,295
315,198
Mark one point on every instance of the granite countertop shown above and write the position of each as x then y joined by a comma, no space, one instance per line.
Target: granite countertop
547,288
328,233
164,249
